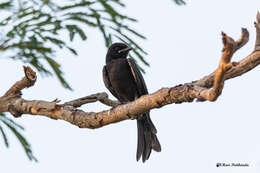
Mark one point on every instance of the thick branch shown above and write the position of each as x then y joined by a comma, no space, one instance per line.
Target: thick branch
207,88
15,92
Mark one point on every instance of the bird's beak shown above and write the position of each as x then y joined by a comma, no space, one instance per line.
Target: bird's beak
125,49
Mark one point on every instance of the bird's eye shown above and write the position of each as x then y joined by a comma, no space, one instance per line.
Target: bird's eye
116,49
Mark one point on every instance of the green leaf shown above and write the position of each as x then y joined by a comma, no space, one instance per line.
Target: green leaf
36,23
180,2
5,119
4,137
10,121
82,20
55,41
26,146
141,57
11,125
135,33
3,133
34,61
5,5
109,8
47,22
29,13
39,34
130,40
113,13
135,51
140,68
56,68
72,50
119,3
71,30
75,29
10,34
102,29
77,14
83,3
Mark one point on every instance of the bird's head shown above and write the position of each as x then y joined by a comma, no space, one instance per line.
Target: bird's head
117,51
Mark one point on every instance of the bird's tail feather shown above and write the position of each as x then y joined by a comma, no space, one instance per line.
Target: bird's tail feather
147,139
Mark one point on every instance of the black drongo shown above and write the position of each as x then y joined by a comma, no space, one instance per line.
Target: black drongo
123,79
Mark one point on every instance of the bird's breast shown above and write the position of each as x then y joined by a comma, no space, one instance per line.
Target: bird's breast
122,80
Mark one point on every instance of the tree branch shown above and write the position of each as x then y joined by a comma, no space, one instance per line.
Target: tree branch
257,26
102,97
208,88
27,81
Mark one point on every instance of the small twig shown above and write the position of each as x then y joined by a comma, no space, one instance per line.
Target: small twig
230,47
243,39
25,82
15,91
102,97
56,100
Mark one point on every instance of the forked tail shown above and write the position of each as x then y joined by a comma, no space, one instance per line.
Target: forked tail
147,139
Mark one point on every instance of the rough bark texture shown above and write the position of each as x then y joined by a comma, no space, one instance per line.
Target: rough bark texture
208,88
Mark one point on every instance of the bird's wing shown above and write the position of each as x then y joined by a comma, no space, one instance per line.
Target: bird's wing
139,80
108,83
147,139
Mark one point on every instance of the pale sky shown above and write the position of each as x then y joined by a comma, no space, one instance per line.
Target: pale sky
184,44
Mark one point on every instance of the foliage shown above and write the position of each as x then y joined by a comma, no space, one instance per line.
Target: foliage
30,31
16,130
32,28
179,2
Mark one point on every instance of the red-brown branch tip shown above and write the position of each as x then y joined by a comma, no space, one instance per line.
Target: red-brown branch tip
227,41
56,100
229,48
243,39
258,17
257,26
30,75
25,82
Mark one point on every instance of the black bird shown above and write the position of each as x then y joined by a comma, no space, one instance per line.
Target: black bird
123,79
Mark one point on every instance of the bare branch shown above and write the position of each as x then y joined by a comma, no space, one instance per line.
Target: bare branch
230,47
207,88
243,39
15,91
102,97
27,81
